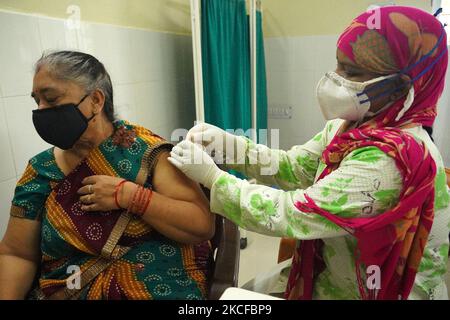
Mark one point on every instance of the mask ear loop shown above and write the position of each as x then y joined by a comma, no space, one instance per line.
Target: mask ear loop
78,105
407,104
410,98
428,68
81,101
438,12
92,117
408,68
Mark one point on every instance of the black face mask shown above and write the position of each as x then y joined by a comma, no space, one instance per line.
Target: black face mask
62,125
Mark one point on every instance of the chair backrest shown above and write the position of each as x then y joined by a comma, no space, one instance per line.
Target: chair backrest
224,269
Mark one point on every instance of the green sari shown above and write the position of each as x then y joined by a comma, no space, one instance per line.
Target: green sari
138,262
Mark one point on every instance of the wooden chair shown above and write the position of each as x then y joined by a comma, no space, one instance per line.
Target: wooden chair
224,270
286,249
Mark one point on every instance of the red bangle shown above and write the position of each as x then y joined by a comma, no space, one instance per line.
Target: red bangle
138,210
137,200
116,192
141,201
147,200
133,201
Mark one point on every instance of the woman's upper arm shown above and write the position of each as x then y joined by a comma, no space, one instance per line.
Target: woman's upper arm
22,239
30,193
170,182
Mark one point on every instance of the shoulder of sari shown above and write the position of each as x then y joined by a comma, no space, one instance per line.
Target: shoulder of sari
155,146
147,135
36,183
45,165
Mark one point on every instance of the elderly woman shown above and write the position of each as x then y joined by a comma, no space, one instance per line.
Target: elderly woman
366,198
102,214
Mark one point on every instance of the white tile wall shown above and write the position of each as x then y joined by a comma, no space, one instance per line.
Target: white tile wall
294,67
6,193
152,75
110,45
441,133
55,35
25,141
278,54
7,169
21,45
147,53
124,102
326,54
304,53
149,97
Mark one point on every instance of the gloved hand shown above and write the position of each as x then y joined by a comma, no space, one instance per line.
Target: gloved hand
195,163
221,145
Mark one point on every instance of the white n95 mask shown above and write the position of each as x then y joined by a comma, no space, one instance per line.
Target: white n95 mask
345,99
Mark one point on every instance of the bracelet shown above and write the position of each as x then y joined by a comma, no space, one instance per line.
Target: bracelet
147,200
133,202
141,201
134,206
116,192
138,210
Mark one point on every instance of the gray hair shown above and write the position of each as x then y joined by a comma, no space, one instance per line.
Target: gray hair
83,69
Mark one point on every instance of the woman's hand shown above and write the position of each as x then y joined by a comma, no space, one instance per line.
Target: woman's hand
195,163
97,193
221,145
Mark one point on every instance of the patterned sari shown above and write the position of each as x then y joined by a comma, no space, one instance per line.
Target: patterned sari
412,42
122,255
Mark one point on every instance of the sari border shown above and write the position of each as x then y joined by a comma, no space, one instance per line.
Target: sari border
88,275
17,211
114,237
21,213
150,159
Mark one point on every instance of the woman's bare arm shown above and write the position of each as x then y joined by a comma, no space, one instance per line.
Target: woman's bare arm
178,208
19,258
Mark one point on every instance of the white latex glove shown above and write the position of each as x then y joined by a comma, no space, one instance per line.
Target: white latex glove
195,163
221,145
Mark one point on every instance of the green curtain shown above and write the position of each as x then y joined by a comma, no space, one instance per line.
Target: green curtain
261,82
226,63
226,66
